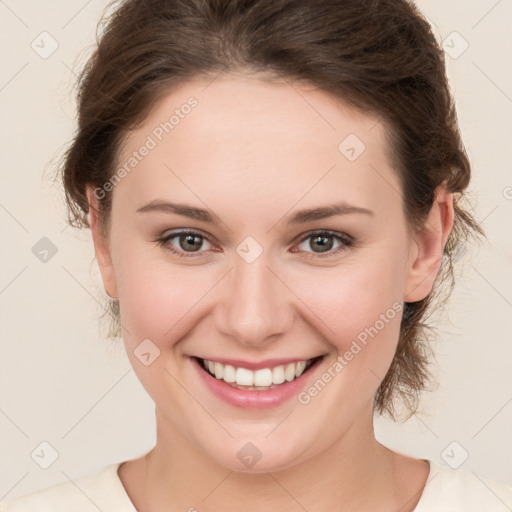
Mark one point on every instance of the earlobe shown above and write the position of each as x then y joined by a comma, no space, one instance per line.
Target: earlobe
101,246
428,246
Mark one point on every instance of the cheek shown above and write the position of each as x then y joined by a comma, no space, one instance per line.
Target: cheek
358,307
157,298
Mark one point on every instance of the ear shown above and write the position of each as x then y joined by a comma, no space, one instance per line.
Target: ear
427,245
101,246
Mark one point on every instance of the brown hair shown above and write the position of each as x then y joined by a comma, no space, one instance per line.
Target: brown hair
380,56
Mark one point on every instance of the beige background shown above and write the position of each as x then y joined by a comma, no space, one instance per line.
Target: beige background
64,384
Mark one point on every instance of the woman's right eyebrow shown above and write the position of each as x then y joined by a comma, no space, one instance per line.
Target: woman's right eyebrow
161,206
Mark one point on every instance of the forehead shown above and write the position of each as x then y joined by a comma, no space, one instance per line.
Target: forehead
259,140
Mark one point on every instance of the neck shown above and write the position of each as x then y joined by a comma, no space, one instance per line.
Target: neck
355,473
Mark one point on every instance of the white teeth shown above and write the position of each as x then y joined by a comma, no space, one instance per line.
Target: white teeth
301,365
244,377
289,373
229,373
219,370
278,375
263,378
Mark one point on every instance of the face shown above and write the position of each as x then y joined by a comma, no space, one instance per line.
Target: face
250,281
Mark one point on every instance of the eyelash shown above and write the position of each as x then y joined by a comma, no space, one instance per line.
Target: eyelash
346,241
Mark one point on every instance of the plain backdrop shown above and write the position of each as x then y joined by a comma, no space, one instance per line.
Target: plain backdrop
66,390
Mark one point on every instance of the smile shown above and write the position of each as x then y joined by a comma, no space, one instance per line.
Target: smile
259,379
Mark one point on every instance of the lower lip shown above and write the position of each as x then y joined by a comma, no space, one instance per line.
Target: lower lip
255,399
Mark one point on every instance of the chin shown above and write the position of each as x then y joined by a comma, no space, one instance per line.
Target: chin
257,456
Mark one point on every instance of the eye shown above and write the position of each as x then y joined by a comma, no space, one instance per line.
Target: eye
188,243
324,241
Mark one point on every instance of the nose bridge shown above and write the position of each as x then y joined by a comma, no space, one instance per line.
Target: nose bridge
256,305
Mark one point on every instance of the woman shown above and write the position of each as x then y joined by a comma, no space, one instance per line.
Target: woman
274,194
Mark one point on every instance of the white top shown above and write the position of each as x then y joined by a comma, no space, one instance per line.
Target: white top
446,490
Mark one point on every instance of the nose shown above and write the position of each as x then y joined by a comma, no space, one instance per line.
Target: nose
256,306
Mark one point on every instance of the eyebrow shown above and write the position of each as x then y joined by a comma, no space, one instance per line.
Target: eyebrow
299,217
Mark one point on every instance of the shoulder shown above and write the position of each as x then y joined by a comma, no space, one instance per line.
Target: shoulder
454,490
101,490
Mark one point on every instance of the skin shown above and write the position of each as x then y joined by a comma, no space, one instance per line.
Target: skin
254,152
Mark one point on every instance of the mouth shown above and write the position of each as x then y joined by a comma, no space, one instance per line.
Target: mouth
262,379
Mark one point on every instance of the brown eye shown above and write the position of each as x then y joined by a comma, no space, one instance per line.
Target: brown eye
184,243
322,243
189,241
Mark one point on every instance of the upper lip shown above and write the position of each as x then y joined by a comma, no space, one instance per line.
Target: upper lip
258,365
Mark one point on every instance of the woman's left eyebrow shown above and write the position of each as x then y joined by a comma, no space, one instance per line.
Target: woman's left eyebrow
323,212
